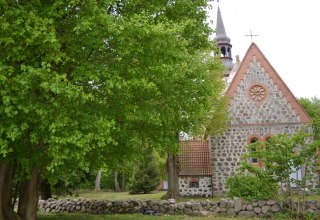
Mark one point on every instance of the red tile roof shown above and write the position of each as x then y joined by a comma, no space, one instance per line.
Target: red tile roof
195,158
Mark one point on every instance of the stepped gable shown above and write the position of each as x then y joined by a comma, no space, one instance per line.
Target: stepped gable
255,54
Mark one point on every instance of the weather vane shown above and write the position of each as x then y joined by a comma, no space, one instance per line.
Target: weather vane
251,35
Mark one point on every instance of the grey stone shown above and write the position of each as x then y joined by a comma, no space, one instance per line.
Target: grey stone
257,210
231,212
172,201
204,213
144,204
196,206
237,205
275,208
188,204
262,203
246,214
265,209
223,203
180,205
249,207
230,203
271,202
125,205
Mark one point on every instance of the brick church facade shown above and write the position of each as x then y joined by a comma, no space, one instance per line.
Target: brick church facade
260,106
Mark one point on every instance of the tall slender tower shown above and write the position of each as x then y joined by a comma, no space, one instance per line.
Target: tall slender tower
223,42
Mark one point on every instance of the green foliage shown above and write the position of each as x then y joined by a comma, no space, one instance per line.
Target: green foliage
251,187
92,83
288,214
283,153
312,107
67,183
147,177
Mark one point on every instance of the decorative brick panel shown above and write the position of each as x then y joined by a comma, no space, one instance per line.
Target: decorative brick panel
194,158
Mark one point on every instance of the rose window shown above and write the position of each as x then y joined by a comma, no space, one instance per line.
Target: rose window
257,93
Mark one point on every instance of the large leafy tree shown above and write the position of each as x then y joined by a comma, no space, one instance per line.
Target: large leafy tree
85,82
312,107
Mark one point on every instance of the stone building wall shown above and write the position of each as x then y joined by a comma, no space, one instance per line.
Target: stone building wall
203,188
257,108
226,149
273,108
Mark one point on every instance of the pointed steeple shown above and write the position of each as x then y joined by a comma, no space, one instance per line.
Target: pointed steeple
223,42
220,30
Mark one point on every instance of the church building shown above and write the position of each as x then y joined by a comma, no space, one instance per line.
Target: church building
260,106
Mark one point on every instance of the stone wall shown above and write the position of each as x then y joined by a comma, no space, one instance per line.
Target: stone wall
204,188
227,148
228,207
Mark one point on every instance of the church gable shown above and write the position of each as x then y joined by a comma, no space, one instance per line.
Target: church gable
259,96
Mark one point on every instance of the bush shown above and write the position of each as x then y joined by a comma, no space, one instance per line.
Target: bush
251,187
147,177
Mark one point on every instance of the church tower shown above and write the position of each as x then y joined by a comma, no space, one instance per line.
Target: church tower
223,43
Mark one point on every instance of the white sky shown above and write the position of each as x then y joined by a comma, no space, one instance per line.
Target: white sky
289,36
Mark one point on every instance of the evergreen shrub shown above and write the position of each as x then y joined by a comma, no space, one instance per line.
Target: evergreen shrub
147,177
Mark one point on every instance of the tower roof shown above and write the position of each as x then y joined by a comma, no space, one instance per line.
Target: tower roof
221,35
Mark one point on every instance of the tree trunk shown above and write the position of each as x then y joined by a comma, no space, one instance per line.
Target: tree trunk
45,189
28,198
116,182
124,180
173,176
6,179
98,180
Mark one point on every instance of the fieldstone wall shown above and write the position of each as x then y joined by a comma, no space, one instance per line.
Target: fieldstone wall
227,148
274,108
204,189
271,115
227,207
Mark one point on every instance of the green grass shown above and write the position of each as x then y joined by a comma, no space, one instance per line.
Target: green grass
92,195
126,216
156,195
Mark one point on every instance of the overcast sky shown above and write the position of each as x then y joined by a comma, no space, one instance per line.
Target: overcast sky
289,36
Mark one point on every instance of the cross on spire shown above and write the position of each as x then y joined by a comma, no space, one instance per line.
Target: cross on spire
251,35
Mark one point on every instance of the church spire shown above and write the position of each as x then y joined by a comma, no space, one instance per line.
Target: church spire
223,42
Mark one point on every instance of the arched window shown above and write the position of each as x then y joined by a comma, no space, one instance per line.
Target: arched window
229,52
254,140
223,51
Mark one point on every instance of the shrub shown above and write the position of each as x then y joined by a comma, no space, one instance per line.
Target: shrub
251,187
147,177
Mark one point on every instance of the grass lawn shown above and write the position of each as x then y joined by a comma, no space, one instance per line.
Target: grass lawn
156,195
126,216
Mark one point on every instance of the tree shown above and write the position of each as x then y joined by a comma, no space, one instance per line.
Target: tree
89,82
312,107
147,177
281,155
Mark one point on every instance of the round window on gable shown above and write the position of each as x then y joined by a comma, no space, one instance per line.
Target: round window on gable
257,92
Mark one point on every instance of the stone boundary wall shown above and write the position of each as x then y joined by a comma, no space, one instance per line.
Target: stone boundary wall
228,207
